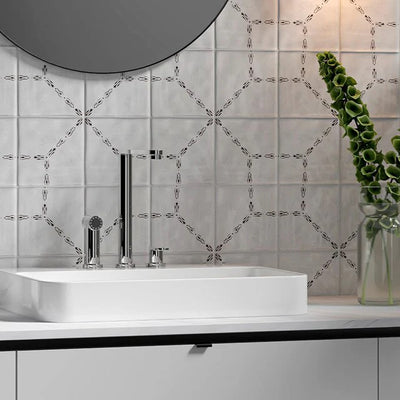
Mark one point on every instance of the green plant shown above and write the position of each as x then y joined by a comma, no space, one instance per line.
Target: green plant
372,166
378,173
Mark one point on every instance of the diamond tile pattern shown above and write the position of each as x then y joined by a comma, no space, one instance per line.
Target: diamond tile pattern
254,169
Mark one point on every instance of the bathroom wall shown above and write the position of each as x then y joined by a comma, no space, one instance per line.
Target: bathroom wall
255,170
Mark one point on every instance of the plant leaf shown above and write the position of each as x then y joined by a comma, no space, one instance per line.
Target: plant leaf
390,157
339,79
353,109
364,120
393,172
367,136
369,155
353,92
396,144
336,93
354,146
351,132
382,174
369,170
374,187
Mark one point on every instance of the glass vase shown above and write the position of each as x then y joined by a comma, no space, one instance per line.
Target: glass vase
379,254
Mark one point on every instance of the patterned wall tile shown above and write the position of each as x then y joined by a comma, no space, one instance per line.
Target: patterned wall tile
184,85
309,151
49,221
302,93
250,24
180,260
8,201
187,145
8,82
309,25
116,95
8,146
348,273
246,151
310,219
369,25
106,138
246,84
246,218
51,152
350,214
183,218
48,91
46,261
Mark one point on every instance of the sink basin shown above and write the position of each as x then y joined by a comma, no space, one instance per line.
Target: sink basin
174,292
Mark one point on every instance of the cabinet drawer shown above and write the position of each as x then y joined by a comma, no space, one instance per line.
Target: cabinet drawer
331,369
389,368
7,375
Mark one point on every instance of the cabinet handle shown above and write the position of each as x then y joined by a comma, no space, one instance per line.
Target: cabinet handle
203,345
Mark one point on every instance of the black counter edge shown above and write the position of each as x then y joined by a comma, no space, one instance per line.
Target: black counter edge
193,339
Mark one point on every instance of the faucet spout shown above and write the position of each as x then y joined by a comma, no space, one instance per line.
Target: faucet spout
125,217
125,203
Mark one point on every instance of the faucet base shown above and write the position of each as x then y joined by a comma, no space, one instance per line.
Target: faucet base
155,265
125,265
92,266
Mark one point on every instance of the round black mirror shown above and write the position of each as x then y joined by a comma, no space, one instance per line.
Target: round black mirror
105,36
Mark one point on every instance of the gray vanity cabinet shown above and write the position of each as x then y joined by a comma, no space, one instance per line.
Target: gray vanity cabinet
302,370
7,375
389,368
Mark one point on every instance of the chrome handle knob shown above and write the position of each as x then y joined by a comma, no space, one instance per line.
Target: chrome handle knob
157,257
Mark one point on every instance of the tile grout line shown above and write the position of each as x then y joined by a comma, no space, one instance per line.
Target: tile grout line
288,183
198,184
194,117
17,249
340,160
85,147
149,168
215,139
260,50
278,144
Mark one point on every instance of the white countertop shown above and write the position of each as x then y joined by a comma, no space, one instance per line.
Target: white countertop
323,313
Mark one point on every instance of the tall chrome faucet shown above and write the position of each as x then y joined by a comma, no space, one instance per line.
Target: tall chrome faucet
125,216
125,203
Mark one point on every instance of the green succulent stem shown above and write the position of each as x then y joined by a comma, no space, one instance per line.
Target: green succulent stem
364,283
388,270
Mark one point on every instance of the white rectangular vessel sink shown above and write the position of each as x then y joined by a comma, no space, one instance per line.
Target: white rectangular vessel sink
174,292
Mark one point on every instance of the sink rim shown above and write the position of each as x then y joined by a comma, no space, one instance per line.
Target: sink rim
37,275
